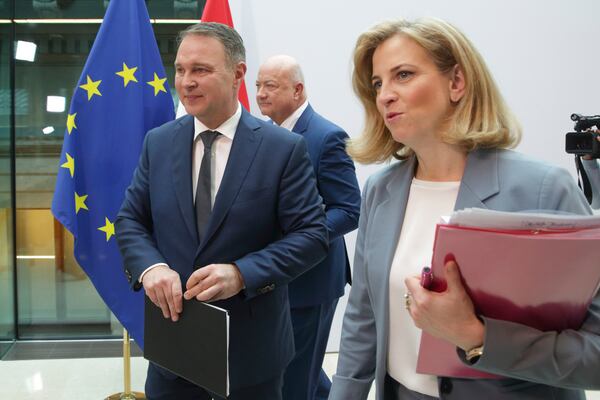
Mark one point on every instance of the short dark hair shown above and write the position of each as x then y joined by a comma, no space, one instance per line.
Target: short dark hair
229,38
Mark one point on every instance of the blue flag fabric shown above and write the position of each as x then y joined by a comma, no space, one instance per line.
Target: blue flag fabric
122,93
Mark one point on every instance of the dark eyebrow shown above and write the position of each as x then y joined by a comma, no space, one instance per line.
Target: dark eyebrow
199,64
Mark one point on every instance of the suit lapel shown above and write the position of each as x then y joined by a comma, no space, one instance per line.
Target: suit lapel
181,162
388,219
302,124
480,180
243,149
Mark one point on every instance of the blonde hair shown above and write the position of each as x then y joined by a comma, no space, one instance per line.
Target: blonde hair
481,119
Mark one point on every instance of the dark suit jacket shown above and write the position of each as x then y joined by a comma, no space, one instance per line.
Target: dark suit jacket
336,181
267,219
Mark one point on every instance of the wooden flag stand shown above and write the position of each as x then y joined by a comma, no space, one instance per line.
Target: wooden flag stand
127,393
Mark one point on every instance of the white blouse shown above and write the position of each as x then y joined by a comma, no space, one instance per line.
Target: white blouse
427,203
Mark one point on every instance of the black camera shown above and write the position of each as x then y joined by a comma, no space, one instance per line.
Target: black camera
583,142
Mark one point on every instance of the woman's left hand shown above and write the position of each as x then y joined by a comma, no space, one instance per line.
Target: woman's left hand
449,315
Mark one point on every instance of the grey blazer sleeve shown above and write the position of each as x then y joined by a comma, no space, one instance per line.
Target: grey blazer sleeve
569,359
592,167
357,357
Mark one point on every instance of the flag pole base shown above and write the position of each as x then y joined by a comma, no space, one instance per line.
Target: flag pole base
127,396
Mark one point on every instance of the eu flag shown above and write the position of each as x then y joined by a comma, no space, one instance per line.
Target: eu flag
122,93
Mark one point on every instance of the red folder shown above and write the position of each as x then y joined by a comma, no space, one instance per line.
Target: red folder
543,279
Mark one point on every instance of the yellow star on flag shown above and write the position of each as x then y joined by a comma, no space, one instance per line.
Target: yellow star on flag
128,74
91,87
158,84
108,228
69,164
71,122
80,202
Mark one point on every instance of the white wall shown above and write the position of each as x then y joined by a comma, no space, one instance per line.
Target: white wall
544,55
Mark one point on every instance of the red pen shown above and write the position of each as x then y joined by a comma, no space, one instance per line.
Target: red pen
426,277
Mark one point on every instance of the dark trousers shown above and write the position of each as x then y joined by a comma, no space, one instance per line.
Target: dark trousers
304,379
160,386
394,390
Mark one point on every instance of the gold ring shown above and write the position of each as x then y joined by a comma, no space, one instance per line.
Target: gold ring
407,300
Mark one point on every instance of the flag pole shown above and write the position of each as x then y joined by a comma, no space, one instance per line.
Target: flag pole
127,393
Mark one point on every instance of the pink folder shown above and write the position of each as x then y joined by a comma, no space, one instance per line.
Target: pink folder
543,279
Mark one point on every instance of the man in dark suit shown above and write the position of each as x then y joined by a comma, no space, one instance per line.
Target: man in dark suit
314,295
235,215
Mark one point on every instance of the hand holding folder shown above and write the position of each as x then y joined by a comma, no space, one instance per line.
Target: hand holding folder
542,279
196,347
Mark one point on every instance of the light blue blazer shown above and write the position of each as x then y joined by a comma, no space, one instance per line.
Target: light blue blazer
495,179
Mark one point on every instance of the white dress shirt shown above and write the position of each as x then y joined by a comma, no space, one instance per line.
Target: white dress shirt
220,154
290,121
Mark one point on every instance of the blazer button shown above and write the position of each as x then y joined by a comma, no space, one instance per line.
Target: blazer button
445,385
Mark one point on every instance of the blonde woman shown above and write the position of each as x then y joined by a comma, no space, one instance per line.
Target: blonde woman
431,103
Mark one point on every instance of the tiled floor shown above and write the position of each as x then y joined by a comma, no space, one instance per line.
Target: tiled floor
88,378
81,379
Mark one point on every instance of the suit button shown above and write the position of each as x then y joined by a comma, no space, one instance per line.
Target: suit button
266,289
445,386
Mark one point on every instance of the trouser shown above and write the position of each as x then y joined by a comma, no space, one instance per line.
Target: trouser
162,387
304,378
394,390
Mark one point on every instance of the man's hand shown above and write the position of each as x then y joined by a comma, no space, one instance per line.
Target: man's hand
163,287
449,315
214,282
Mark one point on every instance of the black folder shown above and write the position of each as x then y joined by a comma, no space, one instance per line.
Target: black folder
196,347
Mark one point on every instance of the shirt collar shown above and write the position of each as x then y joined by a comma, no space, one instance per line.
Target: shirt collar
290,121
226,129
